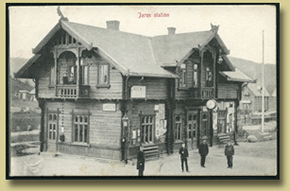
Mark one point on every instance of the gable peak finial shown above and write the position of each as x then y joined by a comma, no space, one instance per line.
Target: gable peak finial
214,28
61,15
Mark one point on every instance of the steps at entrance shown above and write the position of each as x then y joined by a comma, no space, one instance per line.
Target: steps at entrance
151,151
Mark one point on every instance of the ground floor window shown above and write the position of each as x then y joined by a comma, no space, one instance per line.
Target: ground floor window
52,126
178,128
204,131
80,128
221,122
191,125
147,129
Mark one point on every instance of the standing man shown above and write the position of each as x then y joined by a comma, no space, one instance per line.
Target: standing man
140,161
203,151
183,156
229,152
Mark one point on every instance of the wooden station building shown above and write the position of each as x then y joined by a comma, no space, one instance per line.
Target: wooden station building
104,93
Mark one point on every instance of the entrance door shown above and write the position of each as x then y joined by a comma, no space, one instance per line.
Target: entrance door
192,126
147,129
52,132
205,125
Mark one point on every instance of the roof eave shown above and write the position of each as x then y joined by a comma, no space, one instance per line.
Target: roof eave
26,66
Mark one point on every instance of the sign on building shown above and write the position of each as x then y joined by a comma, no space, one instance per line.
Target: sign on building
138,92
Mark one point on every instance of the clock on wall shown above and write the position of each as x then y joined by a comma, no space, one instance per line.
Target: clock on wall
211,104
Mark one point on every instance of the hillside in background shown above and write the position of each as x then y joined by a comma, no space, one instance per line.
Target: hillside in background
15,85
254,70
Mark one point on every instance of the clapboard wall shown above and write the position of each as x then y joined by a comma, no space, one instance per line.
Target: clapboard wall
104,128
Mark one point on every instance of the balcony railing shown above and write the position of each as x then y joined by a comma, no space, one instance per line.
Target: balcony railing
70,91
207,93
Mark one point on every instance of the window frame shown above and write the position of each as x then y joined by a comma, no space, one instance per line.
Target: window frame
182,81
85,138
87,76
178,127
152,124
195,74
52,76
52,122
103,85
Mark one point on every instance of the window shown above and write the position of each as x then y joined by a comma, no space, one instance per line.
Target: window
52,126
195,75
52,75
103,77
204,125
85,75
192,125
221,122
178,128
208,77
136,136
182,80
80,128
147,129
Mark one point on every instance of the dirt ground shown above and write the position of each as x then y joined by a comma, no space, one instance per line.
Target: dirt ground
255,159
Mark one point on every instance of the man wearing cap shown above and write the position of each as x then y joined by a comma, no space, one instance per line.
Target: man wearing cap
140,161
203,151
183,156
229,152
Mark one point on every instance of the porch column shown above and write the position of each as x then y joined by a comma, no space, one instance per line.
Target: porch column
236,120
78,72
41,134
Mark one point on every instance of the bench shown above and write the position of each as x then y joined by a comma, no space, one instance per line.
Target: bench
223,138
151,151
17,148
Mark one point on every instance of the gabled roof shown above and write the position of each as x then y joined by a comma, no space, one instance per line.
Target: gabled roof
274,94
237,76
133,54
253,87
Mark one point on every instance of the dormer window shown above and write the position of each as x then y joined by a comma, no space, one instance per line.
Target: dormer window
182,80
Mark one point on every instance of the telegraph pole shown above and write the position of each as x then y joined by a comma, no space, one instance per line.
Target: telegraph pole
263,92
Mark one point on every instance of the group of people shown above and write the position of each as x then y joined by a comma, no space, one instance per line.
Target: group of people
203,151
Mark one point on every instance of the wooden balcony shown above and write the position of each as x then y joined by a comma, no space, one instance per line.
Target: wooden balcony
71,91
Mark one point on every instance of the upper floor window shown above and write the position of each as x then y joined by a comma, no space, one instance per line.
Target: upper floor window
52,76
182,80
103,75
195,75
85,74
208,77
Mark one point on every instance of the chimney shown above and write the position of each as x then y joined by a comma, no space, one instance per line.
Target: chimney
171,30
114,25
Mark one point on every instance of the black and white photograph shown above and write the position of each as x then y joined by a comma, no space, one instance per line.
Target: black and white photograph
136,90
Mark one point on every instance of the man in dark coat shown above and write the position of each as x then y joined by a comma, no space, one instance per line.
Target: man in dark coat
229,152
141,161
203,151
183,156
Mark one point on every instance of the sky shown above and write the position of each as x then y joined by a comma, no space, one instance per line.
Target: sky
240,26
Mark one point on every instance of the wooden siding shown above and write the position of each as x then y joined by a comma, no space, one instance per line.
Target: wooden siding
44,91
228,91
156,88
104,126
